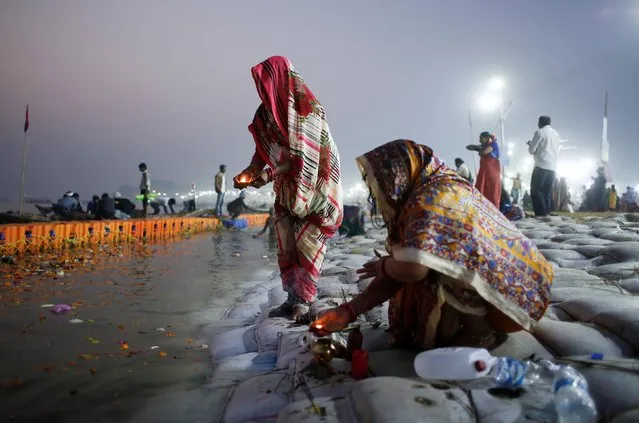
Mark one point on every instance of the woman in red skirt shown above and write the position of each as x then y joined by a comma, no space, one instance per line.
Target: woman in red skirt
489,175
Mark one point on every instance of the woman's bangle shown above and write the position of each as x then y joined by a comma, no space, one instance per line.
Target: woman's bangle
351,311
270,174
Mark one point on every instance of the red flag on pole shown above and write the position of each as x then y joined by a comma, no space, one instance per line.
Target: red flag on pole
26,120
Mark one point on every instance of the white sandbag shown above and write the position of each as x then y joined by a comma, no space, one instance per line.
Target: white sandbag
259,297
631,416
590,251
244,366
391,399
547,245
630,285
530,405
291,346
588,241
331,270
539,234
623,322
555,313
562,255
378,314
521,345
336,290
560,294
568,338
268,330
617,271
245,313
234,342
350,276
586,309
393,362
566,236
621,237
298,411
614,391
255,399
323,304
276,296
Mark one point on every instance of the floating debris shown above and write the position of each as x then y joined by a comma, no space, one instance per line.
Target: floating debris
160,330
60,309
76,321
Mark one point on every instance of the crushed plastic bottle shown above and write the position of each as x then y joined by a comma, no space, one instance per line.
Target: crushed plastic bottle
573,402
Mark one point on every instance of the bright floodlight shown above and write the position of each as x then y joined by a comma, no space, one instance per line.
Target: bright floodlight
497,83
511,144
489,102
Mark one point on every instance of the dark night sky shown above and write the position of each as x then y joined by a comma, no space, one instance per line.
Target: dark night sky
113,83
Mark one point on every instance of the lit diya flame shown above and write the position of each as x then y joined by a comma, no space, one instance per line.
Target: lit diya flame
243,179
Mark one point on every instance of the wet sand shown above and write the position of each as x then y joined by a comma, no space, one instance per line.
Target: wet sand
140,340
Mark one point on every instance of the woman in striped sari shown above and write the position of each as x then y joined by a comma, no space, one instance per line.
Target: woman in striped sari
294,149
459,273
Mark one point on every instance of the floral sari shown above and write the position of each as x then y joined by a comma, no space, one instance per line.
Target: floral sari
480,263
290,125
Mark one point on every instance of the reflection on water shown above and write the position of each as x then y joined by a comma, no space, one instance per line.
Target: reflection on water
138,338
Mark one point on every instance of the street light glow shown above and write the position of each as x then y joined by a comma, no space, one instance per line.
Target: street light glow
497,83
489,102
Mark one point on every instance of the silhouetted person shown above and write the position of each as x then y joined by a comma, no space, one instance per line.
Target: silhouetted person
106,207
145,188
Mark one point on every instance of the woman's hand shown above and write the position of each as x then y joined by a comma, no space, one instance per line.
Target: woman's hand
372,269
260,180
243,179
333,320
473,147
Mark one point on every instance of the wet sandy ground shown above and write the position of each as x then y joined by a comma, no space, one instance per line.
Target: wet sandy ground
140,338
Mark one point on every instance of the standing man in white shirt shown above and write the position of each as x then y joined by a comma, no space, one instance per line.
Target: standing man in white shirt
220,189
545,148
145,188
462,170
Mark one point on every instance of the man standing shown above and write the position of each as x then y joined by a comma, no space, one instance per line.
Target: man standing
220,189
145,188
544,147
462,170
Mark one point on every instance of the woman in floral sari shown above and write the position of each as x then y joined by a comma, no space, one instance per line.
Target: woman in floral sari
458,273
294,149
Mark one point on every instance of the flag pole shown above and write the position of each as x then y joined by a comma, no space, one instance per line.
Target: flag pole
24,159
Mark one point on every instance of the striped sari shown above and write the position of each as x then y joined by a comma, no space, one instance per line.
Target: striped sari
481,265
290,126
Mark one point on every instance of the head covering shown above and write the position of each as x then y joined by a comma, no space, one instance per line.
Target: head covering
117,195
290,124
392,170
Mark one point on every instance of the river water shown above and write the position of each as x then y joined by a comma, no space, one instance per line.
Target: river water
142,334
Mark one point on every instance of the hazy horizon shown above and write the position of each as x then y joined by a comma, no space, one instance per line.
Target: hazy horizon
111,84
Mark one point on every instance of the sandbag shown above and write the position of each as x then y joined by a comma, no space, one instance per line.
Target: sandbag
561,294
631,416
568,339
244,366
521,345
555,313
539,234
621,237
590,251
623,322
336,290
333,270
530,405
276,297
588,241
566,236
245,313
617,271
630,285
234,342
546,245
291,345
622,251
378,314
554,255
391,399
255,399
614,391
586,309
350,276
268,330
322,305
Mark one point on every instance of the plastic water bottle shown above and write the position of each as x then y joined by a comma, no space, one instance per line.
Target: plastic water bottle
572,400
477,369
